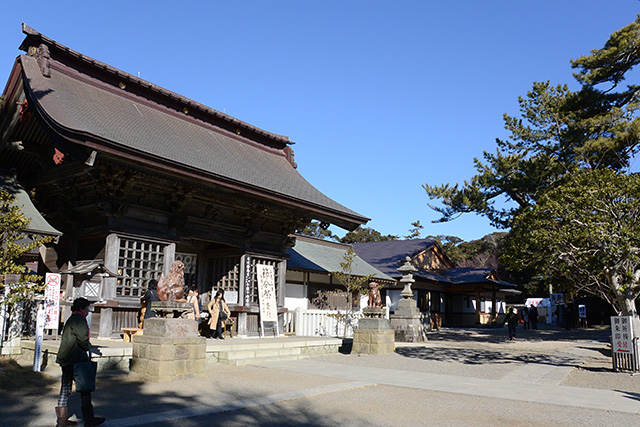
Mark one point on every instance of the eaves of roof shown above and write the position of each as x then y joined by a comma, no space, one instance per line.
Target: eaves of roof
113,120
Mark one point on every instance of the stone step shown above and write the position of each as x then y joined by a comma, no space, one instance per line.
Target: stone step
244,354
245,362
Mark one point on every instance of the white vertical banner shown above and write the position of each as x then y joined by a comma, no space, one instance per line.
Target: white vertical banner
37,353
267,293
52,300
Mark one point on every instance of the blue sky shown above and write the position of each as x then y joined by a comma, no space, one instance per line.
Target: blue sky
379,96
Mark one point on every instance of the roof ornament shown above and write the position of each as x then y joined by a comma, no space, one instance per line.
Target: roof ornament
288,154
43,56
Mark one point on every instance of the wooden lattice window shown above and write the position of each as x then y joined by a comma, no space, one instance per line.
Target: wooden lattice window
139,261
190,262
226,273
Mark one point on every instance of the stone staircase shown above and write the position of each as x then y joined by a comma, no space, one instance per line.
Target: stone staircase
246,352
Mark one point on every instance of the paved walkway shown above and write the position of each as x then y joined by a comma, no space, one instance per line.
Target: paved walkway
541,384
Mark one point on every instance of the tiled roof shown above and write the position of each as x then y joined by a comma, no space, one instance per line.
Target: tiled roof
37,225
98,113
325,257
388,256
478,275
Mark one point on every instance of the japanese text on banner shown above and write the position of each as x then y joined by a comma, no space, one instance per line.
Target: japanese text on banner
52,300
267,293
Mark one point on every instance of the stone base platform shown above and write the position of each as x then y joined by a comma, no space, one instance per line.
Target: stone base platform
373,336
407,322
115,355
170,349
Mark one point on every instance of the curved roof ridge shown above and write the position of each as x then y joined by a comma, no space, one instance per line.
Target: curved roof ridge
33,34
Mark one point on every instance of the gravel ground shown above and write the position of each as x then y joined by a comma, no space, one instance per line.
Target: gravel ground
486,353
477,353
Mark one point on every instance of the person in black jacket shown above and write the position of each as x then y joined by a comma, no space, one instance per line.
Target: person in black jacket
74,348
148,297
511,319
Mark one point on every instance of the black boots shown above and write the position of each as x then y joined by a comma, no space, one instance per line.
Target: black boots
89,418
62,415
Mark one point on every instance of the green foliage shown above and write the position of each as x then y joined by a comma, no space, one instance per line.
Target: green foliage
364,235
583,236
352,284
13,244
318,230
558,132
561,171
483,252
354,287
414,233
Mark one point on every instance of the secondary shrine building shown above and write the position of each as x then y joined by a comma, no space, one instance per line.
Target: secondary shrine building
136,176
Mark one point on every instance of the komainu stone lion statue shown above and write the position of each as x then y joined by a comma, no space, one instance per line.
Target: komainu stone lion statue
171,288
375,301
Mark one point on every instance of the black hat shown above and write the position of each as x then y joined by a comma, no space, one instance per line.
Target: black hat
80,304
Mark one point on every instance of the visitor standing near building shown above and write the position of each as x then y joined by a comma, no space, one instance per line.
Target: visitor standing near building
511,320
193,298
525,317
74,348
149,296
219,313
533,316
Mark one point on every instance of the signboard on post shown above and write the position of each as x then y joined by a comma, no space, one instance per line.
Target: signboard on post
557,299
37,352
52,300
582,311
622,334
623,343
267,295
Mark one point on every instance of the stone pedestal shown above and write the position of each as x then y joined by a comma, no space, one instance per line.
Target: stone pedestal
407,322
373,335
170,349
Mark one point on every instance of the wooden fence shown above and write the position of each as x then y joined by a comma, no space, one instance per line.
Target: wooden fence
322,323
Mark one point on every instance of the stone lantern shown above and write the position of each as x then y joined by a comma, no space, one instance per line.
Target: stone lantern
407,319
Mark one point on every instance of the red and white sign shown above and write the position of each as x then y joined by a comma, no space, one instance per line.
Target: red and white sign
52,300
622,334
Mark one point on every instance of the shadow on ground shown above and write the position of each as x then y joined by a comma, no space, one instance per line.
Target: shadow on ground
499,335
475,356
129,402
451,346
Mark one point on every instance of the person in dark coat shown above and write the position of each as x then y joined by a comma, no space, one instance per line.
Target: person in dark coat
74,348
148,297
511,319
533,316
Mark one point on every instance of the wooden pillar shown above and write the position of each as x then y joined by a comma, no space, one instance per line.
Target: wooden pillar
494,311
169,257
106,323
281,285
477,305
111,253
